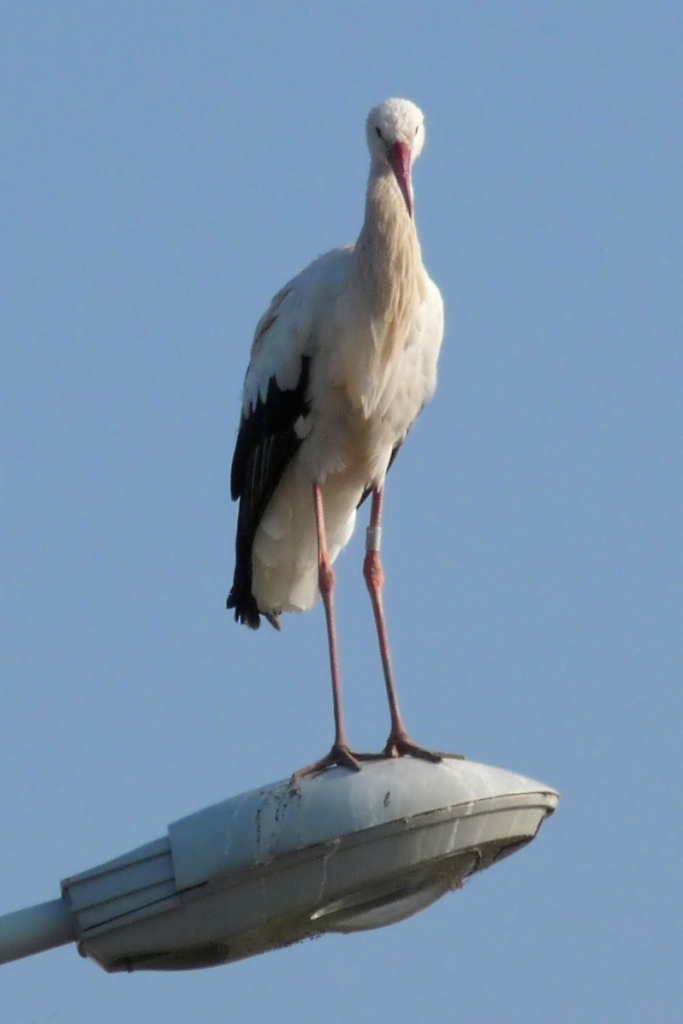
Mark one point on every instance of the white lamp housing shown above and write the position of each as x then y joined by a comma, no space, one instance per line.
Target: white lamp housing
344,851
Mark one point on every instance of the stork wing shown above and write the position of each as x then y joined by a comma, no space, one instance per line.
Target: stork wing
276,402
266,442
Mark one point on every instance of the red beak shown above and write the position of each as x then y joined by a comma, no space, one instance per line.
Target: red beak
399,160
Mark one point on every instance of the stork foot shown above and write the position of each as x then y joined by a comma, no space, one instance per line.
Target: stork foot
339,756
399,744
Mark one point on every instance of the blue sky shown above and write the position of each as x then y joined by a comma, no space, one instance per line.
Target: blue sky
166,167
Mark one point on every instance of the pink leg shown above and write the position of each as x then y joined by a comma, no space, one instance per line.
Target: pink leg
340,754
399,741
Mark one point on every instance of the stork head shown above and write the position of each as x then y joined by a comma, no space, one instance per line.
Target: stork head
396,133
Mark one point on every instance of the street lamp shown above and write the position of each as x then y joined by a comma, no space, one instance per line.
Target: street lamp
342,852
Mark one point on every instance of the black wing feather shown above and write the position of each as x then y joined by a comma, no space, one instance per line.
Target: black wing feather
266,443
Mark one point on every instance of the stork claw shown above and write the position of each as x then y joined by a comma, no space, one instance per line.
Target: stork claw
340,756
399,744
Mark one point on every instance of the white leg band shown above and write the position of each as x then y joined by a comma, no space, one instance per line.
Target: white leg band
373,538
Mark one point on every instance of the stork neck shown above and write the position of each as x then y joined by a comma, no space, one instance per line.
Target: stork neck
388,250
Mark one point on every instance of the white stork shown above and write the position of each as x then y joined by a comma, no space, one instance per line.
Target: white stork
342,363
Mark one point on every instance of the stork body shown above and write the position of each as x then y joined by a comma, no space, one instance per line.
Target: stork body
342,363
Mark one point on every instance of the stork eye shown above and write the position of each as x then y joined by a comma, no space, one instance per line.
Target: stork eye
379,134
